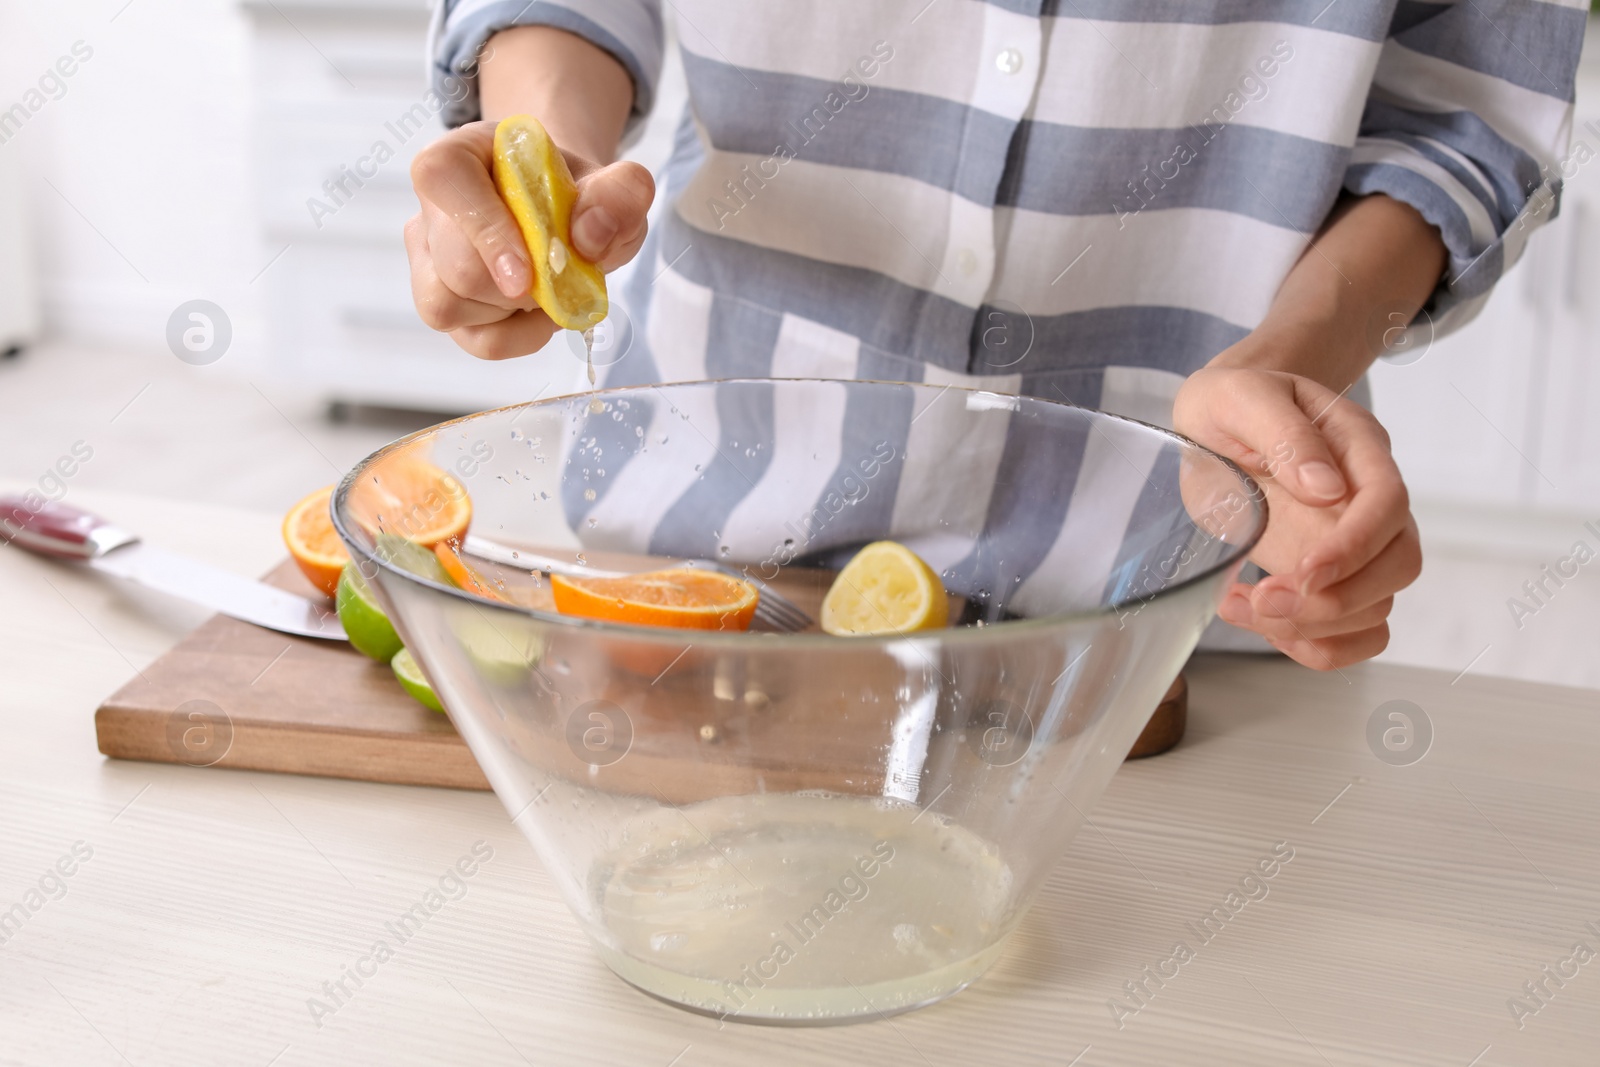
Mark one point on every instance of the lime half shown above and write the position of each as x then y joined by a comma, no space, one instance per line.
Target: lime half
410,556
366,625
412,681
503,649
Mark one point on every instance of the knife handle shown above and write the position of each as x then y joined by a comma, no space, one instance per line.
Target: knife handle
53,529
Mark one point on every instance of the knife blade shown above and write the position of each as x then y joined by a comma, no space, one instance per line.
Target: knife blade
179,576
53,529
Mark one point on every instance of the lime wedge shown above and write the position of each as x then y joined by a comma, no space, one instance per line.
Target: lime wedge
412,681
503,649
410,556
366,625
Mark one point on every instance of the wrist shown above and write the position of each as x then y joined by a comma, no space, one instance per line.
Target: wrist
1322,348
580,93
1370,268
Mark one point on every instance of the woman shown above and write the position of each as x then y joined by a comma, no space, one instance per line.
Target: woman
1211,216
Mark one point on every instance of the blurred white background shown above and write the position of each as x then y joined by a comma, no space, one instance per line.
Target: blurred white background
175,162
150,141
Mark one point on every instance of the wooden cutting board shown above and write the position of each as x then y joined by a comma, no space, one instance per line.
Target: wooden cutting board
231,694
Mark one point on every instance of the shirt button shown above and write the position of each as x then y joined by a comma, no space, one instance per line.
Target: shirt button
1009,61
967,260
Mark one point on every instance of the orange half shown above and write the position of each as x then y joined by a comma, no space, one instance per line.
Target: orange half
411,498
402,495
316,548
681,597
463,575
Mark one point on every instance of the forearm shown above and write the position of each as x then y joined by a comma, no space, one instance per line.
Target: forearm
1370,268
579,92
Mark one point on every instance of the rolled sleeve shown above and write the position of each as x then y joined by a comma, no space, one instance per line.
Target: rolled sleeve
630,30
1468,122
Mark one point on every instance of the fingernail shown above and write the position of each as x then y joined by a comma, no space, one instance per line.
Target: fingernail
1320,579
592,231
1235,609
511,274
1278,603
1321,480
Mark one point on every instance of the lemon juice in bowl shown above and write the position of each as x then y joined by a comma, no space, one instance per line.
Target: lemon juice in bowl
801,907
804,906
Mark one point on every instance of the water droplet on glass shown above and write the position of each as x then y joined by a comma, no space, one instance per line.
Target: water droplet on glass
588,494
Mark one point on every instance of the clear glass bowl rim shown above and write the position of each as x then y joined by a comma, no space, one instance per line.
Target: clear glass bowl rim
751,641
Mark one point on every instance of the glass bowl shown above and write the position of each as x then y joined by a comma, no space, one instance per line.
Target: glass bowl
797,827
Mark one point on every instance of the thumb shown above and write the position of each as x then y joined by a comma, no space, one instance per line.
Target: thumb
1281,440
608,221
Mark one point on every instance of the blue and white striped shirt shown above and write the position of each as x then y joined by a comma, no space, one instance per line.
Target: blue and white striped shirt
1082,200
1136,176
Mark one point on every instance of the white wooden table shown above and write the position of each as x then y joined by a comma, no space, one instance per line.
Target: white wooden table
215,904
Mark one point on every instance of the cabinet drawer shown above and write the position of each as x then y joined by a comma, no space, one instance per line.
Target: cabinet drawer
342,319
300,152
328,54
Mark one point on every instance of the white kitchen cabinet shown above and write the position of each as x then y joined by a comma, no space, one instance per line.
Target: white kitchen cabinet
330,80
19,296
1565,406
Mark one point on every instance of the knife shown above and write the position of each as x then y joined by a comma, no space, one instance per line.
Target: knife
52,529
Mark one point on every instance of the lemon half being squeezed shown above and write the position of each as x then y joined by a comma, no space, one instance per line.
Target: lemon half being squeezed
537,187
